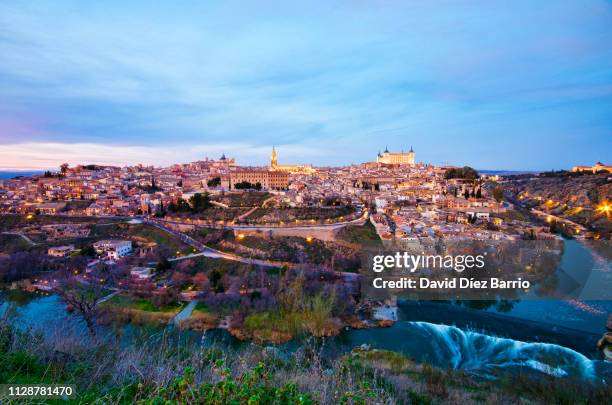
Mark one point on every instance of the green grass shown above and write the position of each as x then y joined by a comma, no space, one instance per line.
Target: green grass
145,305
245,199
201,307
107,372
363,235
140,232
142,304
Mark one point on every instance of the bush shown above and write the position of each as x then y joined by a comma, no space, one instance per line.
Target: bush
253,386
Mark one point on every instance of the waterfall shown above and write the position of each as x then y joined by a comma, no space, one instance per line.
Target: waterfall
477,352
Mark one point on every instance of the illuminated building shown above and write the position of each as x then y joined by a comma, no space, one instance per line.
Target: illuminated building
303,169
389,158
269,179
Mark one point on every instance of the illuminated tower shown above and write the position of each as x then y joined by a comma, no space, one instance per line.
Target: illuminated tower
273,161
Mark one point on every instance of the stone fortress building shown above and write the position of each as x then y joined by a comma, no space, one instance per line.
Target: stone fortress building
596,168
390,158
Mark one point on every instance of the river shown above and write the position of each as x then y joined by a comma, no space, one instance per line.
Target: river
553,337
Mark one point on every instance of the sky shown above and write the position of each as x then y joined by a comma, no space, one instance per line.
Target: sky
512,85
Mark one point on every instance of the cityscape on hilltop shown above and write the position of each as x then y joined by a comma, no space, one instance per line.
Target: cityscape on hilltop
306,203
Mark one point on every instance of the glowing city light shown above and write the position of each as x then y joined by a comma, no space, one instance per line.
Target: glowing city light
604,208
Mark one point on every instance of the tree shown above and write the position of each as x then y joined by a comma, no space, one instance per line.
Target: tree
88,250
200,202
215,280
498,194
214,182
466,194
181,279
243,185
64,167
479,192
180,206
80,297
164,297
465,172
162,265
201,281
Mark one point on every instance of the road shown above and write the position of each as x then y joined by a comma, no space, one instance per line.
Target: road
559,219
357,221
108,297
30,241
185,312
217,254
210,252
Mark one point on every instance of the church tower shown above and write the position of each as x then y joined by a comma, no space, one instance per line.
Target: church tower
273,161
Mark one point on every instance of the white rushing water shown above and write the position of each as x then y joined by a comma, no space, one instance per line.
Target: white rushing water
480,353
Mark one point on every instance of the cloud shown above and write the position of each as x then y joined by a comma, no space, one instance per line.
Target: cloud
42,156
329,77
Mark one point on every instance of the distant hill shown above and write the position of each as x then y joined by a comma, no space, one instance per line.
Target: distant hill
9,175
572,196
507,172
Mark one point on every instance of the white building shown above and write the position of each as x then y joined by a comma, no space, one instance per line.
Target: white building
141,273
113,248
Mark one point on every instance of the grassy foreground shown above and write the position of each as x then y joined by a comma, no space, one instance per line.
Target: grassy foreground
168,369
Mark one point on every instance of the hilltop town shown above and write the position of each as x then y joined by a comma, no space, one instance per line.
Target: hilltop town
259,250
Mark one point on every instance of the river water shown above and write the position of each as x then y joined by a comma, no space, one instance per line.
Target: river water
552,337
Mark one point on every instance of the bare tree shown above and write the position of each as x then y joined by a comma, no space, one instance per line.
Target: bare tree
82,297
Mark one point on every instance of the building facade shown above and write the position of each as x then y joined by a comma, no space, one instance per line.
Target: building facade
402,158
114,249
597,167
269,179
302,169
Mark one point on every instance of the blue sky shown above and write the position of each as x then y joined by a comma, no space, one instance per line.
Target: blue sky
493,84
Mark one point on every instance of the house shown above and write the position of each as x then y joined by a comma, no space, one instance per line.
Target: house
481,213
113,248
50,208
60,251
141,273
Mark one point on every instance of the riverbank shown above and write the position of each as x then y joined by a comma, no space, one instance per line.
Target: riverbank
169,366
479,343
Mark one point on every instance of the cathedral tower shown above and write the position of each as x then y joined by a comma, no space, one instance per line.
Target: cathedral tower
273,161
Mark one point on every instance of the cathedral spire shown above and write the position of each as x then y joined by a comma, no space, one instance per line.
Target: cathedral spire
273,161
